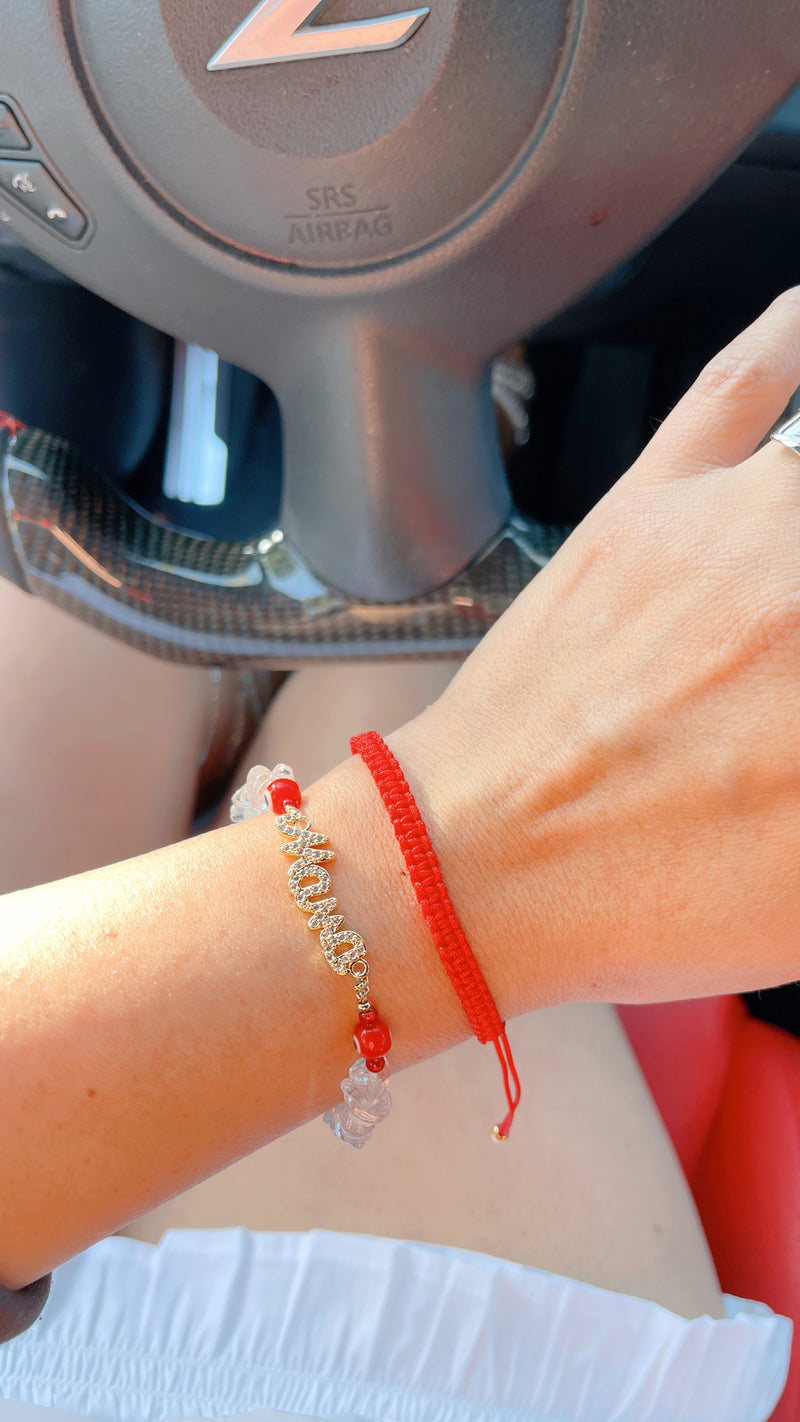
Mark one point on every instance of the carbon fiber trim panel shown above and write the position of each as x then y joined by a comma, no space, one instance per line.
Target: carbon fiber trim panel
189,599
10,567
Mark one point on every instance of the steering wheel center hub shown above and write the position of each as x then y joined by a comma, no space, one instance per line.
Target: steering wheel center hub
334,104
337,160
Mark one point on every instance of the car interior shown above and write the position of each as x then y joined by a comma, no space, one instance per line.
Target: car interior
324,359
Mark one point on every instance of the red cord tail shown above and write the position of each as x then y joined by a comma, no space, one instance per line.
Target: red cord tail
510,1079
437,908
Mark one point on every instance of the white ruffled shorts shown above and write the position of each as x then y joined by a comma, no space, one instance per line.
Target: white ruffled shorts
221,1323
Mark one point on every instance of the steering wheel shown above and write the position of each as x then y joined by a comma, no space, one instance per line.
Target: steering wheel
361,206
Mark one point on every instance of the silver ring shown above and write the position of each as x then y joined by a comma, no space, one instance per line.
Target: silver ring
789,434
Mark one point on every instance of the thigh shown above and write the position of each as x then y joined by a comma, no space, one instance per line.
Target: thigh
99,745
587,1185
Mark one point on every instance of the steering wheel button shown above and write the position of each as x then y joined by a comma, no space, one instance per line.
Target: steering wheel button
35,188
11,135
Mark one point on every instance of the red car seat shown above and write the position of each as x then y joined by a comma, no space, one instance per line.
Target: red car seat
728,1088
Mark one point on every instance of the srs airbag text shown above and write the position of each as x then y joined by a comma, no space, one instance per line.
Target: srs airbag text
333,215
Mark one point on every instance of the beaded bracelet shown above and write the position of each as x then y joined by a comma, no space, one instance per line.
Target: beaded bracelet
366,1099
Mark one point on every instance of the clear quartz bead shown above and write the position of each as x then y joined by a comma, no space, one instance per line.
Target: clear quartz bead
252,798
366,1103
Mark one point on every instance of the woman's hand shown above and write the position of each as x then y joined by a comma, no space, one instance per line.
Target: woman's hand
613,778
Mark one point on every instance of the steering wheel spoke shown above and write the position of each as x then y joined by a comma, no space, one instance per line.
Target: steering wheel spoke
393,480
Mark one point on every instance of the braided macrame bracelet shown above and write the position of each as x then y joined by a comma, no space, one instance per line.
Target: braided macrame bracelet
437,908
366,1099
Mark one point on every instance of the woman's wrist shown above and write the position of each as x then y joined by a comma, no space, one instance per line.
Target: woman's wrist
482,848
374,892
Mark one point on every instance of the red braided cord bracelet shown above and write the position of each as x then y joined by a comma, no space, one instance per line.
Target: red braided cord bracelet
437,908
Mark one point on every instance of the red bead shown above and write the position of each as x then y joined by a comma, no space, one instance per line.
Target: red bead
372,1039
367,1016
283,793
375,1064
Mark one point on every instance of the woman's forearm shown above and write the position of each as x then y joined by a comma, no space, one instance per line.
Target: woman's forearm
164,1016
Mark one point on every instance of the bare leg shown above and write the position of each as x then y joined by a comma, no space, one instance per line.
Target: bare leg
99,745
588,1185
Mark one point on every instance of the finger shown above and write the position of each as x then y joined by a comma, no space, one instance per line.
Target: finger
736,400
776,472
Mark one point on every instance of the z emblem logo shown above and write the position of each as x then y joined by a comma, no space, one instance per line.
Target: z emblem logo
278,30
